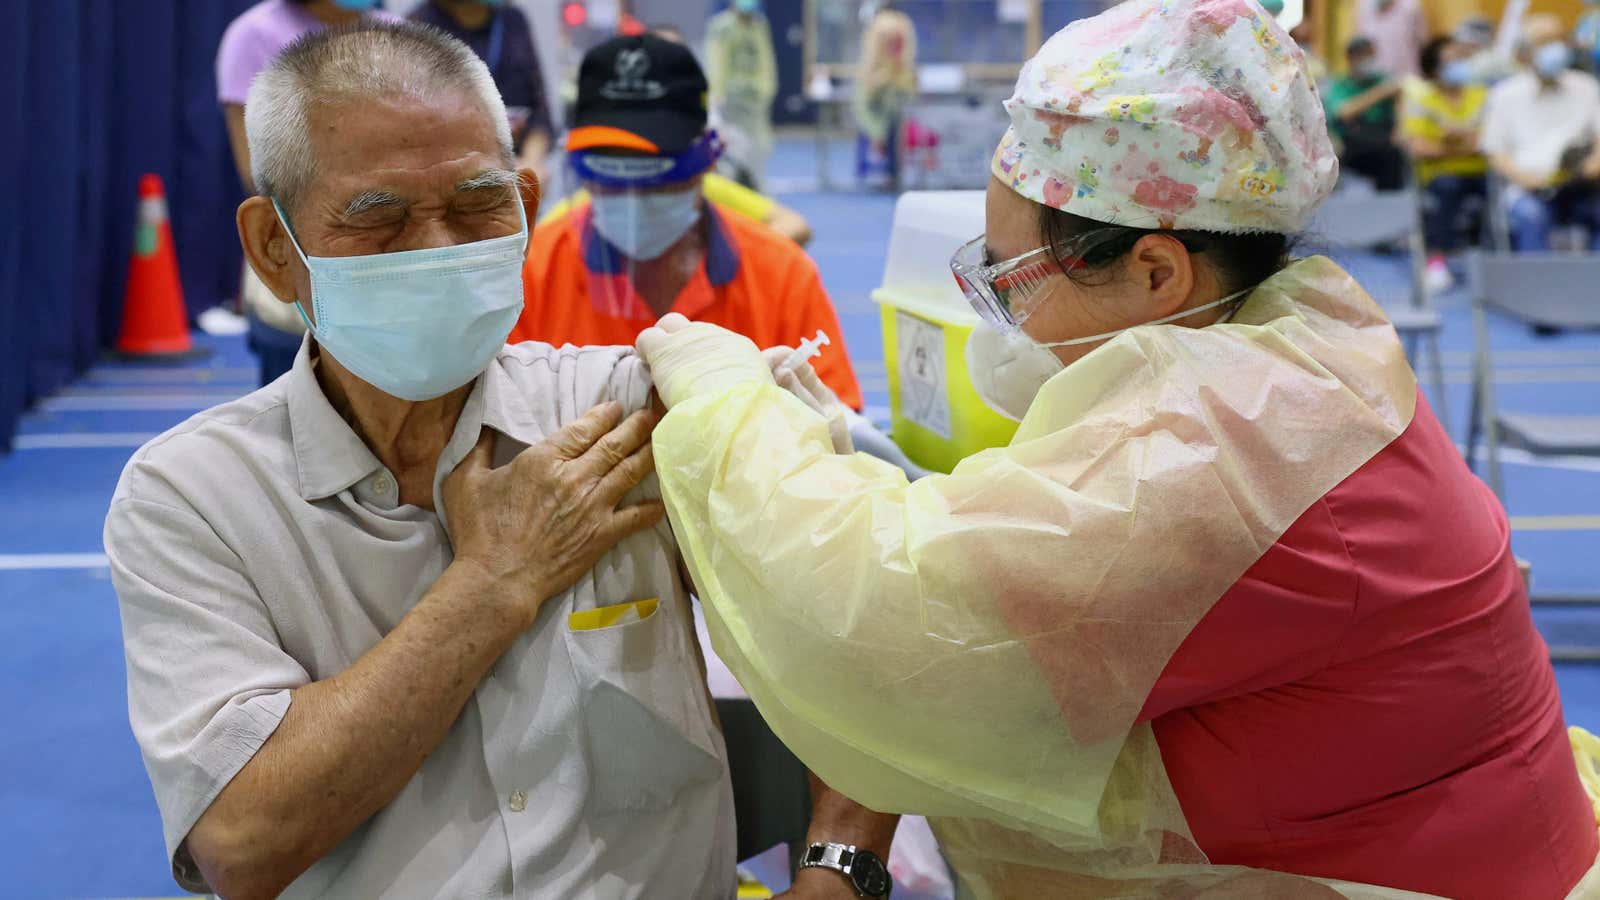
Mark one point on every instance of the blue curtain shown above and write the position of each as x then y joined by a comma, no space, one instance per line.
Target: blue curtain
94,93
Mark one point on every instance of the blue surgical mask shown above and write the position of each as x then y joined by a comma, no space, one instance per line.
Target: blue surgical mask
356,5
417,324
1456,74
644,225
1552,59
747,6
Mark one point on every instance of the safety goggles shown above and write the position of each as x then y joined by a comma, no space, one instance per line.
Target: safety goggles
1001,291
1005,293
613,170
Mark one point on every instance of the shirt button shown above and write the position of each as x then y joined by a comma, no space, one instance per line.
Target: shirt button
519,801
382,484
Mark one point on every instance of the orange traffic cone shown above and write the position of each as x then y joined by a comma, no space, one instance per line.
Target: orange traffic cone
154,322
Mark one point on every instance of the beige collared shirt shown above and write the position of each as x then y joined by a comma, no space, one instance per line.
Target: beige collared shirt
261,546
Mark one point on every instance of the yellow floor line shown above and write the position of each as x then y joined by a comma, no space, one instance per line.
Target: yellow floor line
1555,523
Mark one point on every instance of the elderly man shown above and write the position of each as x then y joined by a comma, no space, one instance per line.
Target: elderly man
407,622
1540,134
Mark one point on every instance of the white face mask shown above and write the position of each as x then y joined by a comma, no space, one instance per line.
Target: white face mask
1008,368
645,225
417,324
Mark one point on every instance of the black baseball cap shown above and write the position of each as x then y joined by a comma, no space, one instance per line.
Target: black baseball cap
639,92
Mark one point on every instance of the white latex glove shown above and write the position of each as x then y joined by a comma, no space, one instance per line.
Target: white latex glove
689,358
801,380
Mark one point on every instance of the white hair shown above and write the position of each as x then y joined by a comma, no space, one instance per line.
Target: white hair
365,61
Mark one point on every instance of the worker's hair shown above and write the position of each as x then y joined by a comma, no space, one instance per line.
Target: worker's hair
363,61
1240,261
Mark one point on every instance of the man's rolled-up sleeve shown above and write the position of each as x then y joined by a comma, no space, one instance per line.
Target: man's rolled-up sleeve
208,681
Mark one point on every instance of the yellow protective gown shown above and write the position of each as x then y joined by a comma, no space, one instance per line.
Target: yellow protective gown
976,647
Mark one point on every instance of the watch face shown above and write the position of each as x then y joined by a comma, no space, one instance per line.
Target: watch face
870,877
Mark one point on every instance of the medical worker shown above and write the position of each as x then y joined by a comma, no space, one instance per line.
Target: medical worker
1229,617
742,70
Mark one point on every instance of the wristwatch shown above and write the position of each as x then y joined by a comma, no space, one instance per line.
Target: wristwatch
865,871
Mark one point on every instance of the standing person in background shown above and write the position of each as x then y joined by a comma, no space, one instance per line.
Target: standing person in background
249,44
1540,136
1361,114
743,74
501,36
886,81
1440,125
1397,31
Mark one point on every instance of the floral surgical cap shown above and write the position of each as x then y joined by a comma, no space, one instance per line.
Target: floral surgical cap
1174,114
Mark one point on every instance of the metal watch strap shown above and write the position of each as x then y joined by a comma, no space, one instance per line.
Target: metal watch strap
838,857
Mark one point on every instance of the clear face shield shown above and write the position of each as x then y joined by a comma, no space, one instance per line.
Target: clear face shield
641,236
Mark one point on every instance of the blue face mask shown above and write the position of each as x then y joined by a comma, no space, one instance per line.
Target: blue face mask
417,324
1456,74
1552,59
747,6
356,5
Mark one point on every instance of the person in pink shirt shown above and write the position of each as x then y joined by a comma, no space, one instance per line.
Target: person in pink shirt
1397,30
251,41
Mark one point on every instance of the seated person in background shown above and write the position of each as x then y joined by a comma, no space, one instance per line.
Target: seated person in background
1441,116
1488,63
373,611
499,33
1361,115
1540,136
646,242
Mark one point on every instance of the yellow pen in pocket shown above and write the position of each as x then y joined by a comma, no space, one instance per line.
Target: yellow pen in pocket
607,616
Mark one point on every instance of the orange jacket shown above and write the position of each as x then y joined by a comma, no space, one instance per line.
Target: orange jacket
751,280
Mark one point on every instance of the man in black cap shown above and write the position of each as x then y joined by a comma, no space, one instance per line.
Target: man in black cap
648,242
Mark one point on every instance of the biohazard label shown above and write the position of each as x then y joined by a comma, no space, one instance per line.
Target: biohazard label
923,396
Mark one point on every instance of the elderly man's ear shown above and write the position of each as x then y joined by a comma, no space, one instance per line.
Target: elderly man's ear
532,191
268,250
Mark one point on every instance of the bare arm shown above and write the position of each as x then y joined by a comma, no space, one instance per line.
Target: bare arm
523,533
1507,169
837,819
790,224
350,743
1367,99
233,113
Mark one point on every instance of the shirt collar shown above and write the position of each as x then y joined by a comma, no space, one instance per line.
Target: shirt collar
331,457
601,257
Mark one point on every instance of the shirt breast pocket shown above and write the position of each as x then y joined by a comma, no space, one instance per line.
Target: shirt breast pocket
646,733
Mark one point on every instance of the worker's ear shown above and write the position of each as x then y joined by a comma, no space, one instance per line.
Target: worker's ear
532,193
270,252
1162,275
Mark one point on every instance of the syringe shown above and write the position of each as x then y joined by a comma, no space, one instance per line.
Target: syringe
808,348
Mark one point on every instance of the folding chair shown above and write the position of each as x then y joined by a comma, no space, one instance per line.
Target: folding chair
1554,289
1358,220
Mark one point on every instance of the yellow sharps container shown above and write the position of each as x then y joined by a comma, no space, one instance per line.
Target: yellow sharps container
937,417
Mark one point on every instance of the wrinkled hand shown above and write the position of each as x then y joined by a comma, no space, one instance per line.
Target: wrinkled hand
536,524
802,381
688,358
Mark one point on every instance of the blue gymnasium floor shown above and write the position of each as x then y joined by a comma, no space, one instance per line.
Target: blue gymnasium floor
77,812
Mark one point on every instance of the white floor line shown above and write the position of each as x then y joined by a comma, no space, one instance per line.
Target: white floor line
131,375
28,561
1555,523
193,401
82,440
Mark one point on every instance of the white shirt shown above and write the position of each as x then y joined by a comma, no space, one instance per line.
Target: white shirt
261,546
1534,124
